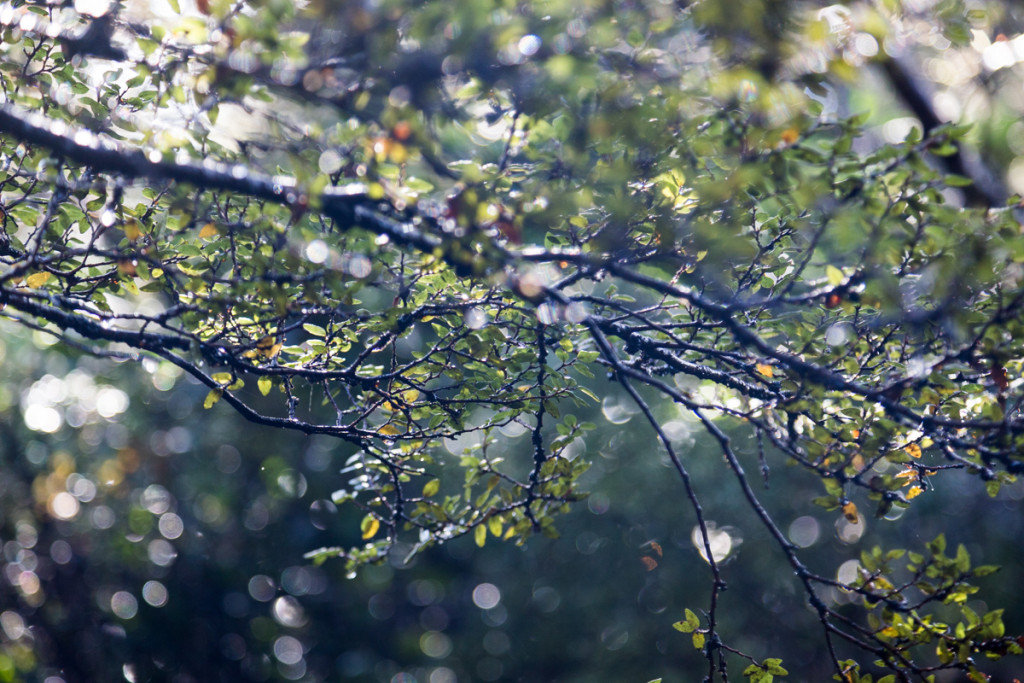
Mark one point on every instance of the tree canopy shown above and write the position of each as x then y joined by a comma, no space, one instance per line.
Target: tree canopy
448,238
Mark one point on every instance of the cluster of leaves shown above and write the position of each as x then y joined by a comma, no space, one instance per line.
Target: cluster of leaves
636,197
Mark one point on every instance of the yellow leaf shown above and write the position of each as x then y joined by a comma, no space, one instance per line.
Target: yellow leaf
888,632
131,230
410,395
494,524
388,430
37,279
914,492
369,526
834,275
909,472
212,398
698,640
268,351
913,450
765,369
209,231
850,512
264,384
480,535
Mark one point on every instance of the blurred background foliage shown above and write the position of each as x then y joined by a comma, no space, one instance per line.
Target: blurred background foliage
144,538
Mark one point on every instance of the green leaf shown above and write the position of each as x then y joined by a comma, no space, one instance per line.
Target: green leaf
480,535
431,487
689,623
264,384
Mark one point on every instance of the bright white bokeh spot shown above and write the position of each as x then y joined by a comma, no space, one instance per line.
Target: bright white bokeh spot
64,506
288,650
838,334
95,8
436,644
288,612
161,553
317,251
262,588
111,402
170,525
486,596
124,604
43,418
865,45
359,266
804,531
156,499
848,532
848,572
528,45
443,674
475,318
721,541
895,131
330,161
13,625
154,593
617,410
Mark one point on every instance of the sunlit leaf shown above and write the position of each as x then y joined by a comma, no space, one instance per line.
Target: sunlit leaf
212,397
834,275
369,526
850,512
37,279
